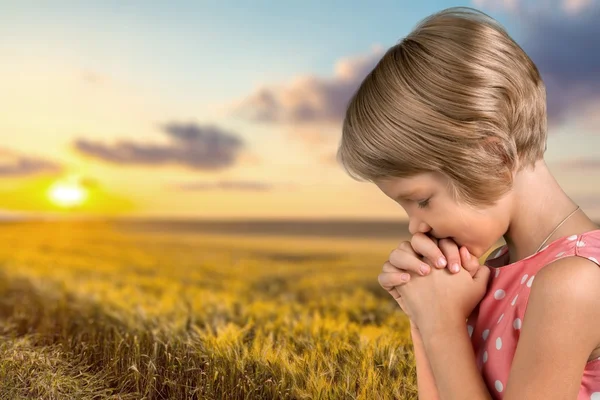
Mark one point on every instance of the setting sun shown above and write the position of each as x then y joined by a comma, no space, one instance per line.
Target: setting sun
65,194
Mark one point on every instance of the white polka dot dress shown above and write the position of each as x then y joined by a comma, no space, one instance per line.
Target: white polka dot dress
495,325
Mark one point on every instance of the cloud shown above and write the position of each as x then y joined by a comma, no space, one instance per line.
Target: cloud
559,36
589,200
86,182
589,203
576,6
224,185
17,165
569,7
197,147
565,53
310,99
587,164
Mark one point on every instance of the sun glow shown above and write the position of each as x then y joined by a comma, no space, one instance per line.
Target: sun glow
65,194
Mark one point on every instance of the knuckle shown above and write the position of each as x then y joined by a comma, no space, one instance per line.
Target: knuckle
389,281
394,257
449,248
388,267
432,239
431,263
416,238
417,243
404,246
446,242
473,266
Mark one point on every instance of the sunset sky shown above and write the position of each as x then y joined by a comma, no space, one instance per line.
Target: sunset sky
208,110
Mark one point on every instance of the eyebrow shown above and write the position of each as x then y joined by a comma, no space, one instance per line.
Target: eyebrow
406,195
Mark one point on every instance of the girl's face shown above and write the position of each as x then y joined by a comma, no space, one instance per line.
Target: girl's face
431,209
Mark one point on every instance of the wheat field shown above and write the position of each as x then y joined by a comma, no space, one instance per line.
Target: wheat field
89,311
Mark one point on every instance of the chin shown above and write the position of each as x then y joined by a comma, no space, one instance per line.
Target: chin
474,252
460,244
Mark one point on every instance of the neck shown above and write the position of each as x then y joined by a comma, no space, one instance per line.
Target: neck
540,205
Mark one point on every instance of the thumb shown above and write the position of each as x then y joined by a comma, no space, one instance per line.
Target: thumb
482,274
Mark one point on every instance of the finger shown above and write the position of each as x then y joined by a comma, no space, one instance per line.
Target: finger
450,250
425,246
406,246
390,284
481,277
394,294
482,274
392,277
469,261
408,261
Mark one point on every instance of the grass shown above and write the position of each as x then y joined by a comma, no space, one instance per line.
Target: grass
90,312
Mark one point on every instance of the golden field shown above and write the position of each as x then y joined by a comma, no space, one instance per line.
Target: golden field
95,311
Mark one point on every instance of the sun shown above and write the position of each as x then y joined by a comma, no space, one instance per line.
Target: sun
66,194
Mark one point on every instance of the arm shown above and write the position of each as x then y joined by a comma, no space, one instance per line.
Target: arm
453,364
425,381
561,328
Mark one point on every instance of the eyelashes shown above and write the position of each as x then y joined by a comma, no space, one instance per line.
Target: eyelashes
424,203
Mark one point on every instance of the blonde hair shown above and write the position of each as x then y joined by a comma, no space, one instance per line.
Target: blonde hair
456,96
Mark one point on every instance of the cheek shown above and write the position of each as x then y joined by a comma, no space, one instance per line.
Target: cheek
460,223
472,231
483,236
476,230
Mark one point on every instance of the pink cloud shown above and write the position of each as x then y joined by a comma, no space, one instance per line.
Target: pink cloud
569,7
310,99
587,164
561,45
13,164
194,146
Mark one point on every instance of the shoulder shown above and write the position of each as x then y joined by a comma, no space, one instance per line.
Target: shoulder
560,330
567,273
566,284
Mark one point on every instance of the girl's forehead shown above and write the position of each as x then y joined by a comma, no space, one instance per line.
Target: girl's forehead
406,187
424,180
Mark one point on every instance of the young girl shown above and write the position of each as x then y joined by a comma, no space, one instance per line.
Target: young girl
451,124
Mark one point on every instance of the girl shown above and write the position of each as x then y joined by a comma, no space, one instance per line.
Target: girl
451,124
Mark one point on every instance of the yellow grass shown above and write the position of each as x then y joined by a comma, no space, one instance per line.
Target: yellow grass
89,312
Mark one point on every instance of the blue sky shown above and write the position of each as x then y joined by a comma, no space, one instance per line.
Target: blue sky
85,77
169,44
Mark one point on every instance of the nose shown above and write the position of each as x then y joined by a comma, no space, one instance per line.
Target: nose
415,225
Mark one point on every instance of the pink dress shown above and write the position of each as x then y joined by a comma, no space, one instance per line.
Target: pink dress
494,326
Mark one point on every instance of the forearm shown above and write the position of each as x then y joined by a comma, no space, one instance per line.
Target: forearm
426,387
452,362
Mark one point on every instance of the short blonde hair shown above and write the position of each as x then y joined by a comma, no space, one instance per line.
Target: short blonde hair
456,96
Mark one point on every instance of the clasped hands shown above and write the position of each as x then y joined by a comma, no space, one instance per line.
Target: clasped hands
437,284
